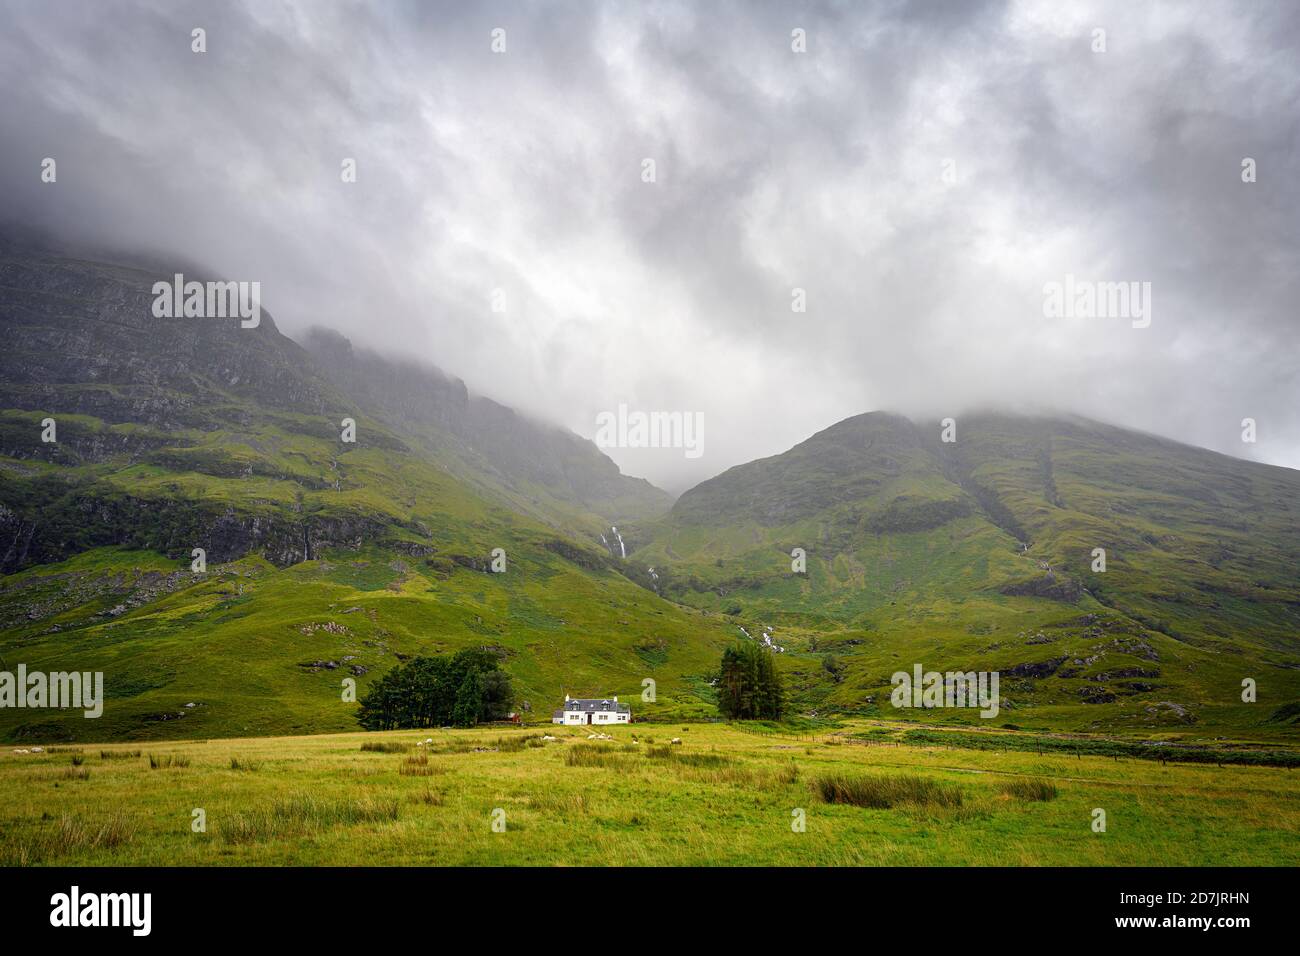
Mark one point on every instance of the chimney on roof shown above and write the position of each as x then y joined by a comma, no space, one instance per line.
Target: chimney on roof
616,698
566,698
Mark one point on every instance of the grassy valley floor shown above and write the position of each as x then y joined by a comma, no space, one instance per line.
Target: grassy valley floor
728,794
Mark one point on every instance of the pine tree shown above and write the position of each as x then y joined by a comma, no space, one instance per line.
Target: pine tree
749,687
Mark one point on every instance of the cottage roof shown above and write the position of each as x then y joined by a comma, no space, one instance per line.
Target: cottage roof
594,704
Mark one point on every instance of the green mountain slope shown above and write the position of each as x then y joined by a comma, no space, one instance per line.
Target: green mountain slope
978,554
329,559
325,558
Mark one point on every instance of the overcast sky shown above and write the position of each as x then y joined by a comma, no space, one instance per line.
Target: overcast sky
921,171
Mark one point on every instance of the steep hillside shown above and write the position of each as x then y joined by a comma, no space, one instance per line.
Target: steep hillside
330,559
979,553
536,468
325,557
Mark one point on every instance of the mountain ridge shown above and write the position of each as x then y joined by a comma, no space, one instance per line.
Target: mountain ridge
331,556
79,332
912,542
203,532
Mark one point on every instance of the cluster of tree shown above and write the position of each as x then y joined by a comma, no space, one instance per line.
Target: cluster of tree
749,688
461,690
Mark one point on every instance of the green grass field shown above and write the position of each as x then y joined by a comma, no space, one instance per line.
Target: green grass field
726,795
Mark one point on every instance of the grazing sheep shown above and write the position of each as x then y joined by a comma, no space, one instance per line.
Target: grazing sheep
23,751
675,740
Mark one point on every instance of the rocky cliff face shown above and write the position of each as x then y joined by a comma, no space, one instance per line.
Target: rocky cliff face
94,518
81,338
229,427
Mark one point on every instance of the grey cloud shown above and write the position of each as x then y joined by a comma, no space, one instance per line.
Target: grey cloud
821,170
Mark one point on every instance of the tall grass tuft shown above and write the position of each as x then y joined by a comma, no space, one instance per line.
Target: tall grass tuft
304,813
74,834
592,755
456,745
674,755
166,761
119,754
71,836
243,763
553,802
1031,788
882,793
417,765
384,747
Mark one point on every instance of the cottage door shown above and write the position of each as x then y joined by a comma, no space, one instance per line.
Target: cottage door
588,716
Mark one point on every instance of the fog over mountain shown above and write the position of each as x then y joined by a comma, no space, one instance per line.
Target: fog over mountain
920,172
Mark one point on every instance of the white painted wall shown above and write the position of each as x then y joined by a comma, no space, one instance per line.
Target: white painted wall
574,717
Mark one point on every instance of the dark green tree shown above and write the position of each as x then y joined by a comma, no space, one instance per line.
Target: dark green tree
464,689
749,687
469,701
379,706
498,695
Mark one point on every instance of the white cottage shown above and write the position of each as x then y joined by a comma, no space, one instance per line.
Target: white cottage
592,711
